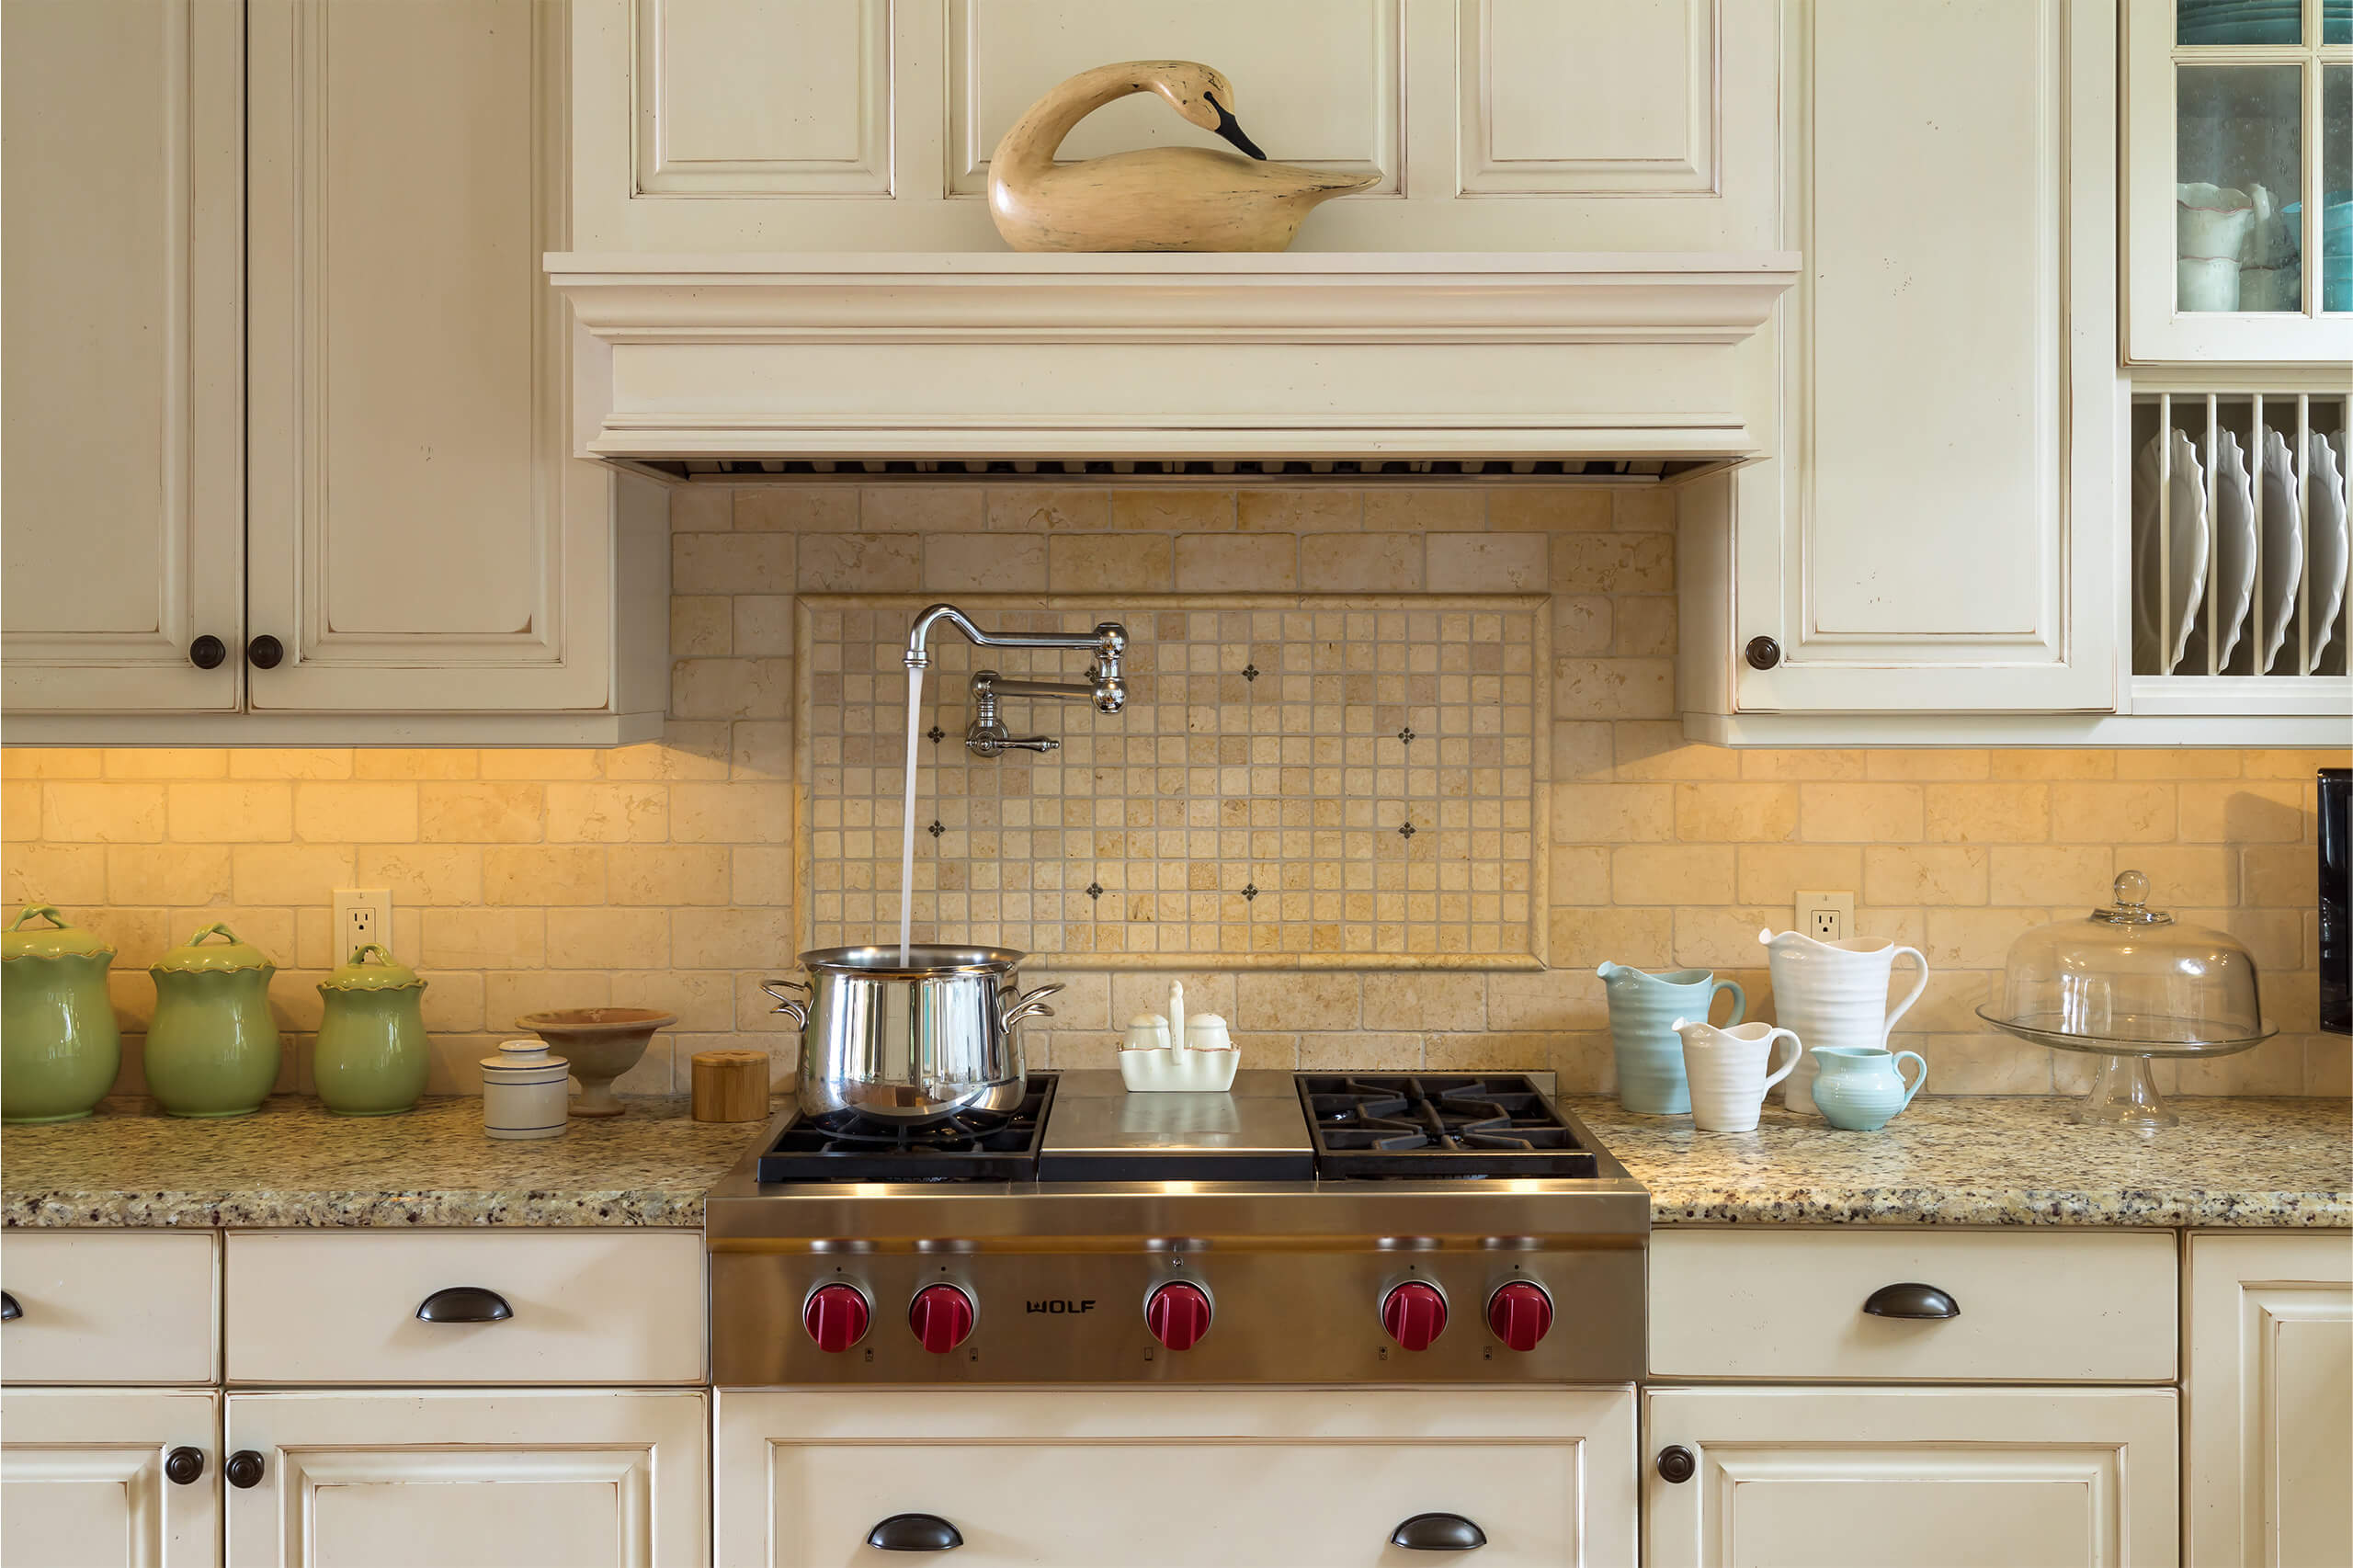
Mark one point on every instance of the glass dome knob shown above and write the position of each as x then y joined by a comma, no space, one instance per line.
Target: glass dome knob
2131,903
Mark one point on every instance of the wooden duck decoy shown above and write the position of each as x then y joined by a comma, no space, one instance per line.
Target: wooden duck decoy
1157,198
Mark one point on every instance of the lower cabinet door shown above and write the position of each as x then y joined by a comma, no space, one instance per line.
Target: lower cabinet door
1911,1478
86,1478
1171,1477
481,1480
2270,1380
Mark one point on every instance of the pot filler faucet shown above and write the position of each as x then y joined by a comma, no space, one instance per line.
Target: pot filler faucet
985,735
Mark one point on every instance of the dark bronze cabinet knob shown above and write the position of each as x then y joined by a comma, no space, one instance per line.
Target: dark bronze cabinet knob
243,1469
1763,652
264,652
207,652
1677,1464
184,1466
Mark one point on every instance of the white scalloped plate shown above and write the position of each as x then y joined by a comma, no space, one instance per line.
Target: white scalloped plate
2186,534
2325,486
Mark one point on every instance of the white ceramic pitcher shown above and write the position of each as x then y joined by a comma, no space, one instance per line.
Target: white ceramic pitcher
1835,995
1726,1069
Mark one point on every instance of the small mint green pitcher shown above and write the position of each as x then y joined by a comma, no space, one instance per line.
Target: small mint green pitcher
1643,1010
1861,1087
213,1048
372,1057
59,1042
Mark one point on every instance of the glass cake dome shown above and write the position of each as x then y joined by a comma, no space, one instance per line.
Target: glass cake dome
2130,982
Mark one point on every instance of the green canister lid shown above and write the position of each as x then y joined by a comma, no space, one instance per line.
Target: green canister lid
196,957
54,940
358,974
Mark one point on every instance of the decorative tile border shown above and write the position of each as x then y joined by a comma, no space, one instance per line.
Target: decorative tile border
1297,781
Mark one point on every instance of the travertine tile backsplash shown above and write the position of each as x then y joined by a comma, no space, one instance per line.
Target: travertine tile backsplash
1323,779
662,874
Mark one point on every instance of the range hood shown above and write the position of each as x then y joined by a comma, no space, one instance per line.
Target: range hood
979,357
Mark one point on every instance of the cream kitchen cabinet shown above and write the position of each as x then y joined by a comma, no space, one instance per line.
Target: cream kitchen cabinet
704,126
309,482
2270,1399
2236,118
1911,1478
95,1477
499,1479
1176,1478
123,305
1937,533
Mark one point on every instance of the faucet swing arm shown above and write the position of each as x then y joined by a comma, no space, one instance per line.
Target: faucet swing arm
986,735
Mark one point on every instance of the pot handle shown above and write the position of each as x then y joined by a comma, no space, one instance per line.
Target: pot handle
215,929
1032,1004
797,1007
46,911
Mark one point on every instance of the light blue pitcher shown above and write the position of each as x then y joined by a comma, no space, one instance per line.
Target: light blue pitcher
1861,1088
1643,1010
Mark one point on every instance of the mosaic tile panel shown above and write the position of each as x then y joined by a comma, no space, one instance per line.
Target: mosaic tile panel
1295,782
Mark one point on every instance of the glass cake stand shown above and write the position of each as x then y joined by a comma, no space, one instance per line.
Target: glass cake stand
2131,985
2123,1094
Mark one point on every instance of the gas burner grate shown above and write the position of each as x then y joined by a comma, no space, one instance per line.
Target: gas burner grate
968,1146
1439,1125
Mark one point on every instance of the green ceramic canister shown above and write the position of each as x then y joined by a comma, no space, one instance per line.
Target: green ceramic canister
59,1043
372,1056
213,1048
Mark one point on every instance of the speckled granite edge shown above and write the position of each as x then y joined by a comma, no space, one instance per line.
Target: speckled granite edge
2016,1161
293,1165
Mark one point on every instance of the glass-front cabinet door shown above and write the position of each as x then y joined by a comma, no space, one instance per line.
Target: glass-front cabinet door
2239,173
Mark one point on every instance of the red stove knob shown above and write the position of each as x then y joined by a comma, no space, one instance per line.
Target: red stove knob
941,1316
1520,1313
836,1316
1414,1314
1177,1314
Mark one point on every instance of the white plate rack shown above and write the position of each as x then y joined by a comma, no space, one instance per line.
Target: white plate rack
2241,550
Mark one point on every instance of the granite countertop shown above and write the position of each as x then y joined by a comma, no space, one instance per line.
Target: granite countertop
292,1164
1997,1161
1978,1161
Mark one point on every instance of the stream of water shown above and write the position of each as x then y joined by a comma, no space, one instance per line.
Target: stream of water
907,826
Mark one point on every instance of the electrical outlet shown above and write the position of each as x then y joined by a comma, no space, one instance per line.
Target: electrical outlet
361,915
1826,916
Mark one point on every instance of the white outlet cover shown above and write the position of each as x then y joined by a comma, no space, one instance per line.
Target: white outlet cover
361,915
1813,908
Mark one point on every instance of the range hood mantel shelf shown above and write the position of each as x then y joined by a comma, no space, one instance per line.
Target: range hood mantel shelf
1299,355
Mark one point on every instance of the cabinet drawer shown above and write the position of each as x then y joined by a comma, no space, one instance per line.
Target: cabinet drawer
2061,1306
111,1307
1174,1478
587,1307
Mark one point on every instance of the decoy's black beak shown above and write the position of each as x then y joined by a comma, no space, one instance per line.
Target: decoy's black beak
1231,129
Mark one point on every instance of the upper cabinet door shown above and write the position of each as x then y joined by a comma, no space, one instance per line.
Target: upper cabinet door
419,539
1491,125
124,537
2238,152
1937,533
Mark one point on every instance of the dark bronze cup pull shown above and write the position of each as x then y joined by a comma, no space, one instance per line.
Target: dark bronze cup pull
9,1311
1677,1464
243,1469
1438,1532
914,1532
1911,1302
464,1303
184,1466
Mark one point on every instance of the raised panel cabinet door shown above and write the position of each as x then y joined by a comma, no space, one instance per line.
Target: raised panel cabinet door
1176,1478
420,540
87,1478
497,1479
866,125
1823,1477
2270,1384
1936,532
121,304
